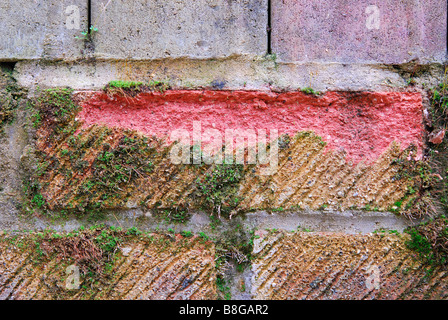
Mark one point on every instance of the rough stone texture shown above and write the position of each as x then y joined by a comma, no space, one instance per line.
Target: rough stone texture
362,124
337,266
236,73
13,139
38,29
171,29
162,269
17,155
343,31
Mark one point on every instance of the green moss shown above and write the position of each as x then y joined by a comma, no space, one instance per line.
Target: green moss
56,106
176,214
115,169
125,84
420,244
132,87
223,289
310,91
111,175
108,240
438,153
421,179
430,241
310,135
218,187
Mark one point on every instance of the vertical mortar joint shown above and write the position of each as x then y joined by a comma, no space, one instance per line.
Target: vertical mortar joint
269,27
89,16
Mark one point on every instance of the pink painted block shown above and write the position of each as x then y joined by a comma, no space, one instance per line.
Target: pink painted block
363,124
359,31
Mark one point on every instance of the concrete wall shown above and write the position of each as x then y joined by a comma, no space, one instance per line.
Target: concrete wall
254,48
302,31
170,29
42,29
352,31
345,45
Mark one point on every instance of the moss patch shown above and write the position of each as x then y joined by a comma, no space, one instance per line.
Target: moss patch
218,188
430,241
421,180
97,252
132,88
438,153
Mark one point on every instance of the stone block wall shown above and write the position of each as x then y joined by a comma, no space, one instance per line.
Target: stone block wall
91,93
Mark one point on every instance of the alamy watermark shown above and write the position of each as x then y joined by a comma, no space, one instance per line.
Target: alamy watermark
73,18
72,282
247,146
373,278
373,19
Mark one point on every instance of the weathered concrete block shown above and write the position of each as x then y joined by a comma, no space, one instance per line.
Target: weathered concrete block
337,266
42,29
363,31
151,29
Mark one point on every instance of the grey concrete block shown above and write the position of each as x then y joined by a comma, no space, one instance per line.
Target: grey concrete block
359,31
238,73
42,29
153,29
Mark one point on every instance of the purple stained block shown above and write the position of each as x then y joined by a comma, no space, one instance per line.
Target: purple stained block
359,31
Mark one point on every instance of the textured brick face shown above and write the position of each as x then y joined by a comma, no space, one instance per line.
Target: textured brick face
160,270
336,266
351,31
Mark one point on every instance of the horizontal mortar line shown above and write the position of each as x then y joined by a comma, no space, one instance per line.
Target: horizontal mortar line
110,59
339,221
345,222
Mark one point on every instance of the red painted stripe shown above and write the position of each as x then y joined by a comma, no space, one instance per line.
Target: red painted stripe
363,124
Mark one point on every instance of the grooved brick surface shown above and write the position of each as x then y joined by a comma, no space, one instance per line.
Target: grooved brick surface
352,164
338,266
163,269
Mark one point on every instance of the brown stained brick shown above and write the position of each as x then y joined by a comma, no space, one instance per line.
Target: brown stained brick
339,266
163,269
